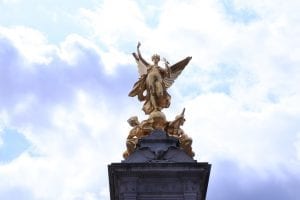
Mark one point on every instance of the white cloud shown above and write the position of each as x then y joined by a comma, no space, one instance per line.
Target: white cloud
222,127
71,48
297,146
67,100
116,22
70,163
66,115
10,1
115,27
31,43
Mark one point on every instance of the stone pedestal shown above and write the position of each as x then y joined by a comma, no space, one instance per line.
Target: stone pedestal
158,170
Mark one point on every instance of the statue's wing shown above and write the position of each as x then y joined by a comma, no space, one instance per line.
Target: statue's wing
175,70
141,64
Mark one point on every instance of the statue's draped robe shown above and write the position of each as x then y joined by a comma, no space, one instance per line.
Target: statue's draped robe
141,86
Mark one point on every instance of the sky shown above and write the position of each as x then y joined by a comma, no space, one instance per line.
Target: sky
66,70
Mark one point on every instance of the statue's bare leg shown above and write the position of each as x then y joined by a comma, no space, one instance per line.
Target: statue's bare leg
153,101
159,89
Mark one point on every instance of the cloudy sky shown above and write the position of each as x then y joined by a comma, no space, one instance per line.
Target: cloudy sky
66,69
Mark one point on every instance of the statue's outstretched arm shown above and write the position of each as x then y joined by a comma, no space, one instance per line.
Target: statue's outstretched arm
140,55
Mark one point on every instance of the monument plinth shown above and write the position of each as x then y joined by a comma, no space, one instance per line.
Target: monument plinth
158,162
158,181
158,169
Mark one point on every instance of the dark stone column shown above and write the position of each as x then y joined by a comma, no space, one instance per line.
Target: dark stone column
158,170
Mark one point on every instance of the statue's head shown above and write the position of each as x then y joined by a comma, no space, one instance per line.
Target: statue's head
155,58
133,121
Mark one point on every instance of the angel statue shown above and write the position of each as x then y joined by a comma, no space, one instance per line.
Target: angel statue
154,81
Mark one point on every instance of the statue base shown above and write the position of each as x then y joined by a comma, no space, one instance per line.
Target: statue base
158,169
141,181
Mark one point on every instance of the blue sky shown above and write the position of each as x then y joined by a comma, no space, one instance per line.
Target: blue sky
66,69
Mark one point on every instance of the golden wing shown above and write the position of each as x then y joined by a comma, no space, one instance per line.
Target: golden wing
142,67
142,64
175,70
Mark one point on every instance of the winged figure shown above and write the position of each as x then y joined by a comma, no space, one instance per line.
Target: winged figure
154,81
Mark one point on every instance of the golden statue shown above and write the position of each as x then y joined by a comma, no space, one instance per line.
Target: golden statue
155,81
138,131
152,88
173,129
